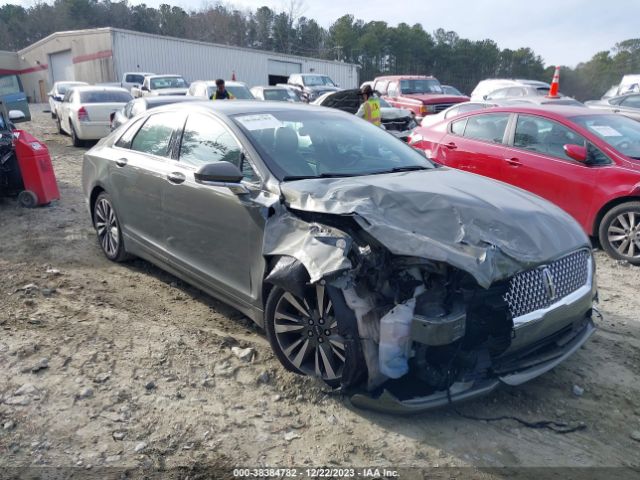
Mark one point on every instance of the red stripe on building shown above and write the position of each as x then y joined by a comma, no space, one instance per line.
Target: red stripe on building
93,56
23,71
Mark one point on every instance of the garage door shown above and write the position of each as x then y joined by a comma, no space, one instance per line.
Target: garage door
279,71
61,65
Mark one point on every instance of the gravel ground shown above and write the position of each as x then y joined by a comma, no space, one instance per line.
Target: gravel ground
123,365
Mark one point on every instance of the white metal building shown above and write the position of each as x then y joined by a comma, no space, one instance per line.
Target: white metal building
102,55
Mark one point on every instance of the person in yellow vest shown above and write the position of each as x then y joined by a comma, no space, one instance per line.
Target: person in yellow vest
370,108
221,93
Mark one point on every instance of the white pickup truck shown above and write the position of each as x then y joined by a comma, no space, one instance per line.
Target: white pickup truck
155,85
133,79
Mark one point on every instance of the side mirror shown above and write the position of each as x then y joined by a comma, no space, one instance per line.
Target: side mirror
577,152
221,174
17,116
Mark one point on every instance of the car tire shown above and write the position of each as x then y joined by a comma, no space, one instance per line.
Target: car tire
619,232
304,339
74,136
107,225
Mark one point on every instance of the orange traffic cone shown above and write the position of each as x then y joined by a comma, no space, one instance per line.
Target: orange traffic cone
233,76
555,84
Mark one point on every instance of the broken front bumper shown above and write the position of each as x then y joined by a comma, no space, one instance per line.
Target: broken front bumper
540,343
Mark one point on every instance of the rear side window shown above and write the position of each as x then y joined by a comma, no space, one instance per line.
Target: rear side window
125,140
457,127
105,97
487,127
544,136
154,137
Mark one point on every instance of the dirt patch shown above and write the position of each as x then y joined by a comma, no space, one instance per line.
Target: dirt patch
107,365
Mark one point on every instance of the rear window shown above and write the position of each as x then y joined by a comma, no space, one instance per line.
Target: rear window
134,78
168,82
105,97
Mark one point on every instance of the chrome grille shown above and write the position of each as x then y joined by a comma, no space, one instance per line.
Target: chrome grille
540,288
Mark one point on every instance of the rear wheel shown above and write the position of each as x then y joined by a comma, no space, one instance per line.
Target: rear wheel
107,225
74,136
303,333
619,232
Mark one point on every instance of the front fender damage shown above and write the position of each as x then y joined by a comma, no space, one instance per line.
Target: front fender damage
425,322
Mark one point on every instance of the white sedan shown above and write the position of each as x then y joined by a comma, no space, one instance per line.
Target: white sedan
57,94
85,112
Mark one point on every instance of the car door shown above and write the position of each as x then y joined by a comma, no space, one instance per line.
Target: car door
475,143
536,161
138,172
211,232
629,107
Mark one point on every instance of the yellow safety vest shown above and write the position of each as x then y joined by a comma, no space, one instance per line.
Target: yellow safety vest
372,111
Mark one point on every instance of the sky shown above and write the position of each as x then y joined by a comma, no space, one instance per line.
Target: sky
562,32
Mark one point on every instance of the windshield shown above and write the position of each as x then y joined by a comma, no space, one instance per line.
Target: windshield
159,83
426,85
449,90
9,84
105,97
280,95
317,80
620,132
312,144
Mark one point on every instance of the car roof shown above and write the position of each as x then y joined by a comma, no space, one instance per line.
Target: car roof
405,77
94,88
70,82
566,111
249,107
162,99
165,75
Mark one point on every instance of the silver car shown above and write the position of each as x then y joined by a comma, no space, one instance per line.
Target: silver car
407,284
627,105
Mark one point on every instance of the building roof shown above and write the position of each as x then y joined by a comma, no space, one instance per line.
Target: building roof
93,31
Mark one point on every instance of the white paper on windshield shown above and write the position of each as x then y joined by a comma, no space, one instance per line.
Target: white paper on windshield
259,121
606,131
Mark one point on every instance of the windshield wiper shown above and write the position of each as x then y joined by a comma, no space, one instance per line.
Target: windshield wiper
321,175
411,168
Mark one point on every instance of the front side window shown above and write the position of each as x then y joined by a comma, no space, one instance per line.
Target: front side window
545,136
9,84
487,127
125,140
206,140
154,137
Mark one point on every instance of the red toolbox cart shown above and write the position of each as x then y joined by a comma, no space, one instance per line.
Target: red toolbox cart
39,186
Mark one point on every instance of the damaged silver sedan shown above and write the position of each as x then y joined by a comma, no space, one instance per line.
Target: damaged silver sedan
407,285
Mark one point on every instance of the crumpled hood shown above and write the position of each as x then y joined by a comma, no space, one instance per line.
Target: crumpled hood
486,228
431,98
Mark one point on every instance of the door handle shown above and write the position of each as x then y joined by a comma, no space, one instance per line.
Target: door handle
450,146
514,162
121,162
176,177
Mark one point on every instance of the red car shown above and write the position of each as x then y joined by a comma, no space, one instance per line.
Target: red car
421,94
584,161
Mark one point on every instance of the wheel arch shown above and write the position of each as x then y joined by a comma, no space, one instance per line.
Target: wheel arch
97,190
608,206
